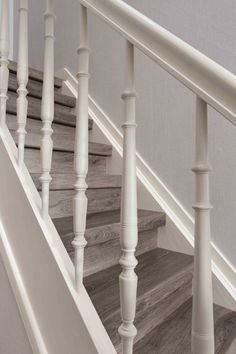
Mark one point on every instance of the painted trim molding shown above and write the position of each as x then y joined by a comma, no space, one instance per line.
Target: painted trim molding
224,272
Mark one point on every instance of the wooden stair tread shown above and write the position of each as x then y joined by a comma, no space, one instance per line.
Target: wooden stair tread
63,137
174,334
35,74
35,90
62,115
146,220
99,200
66,181
62,162
164,283
103,237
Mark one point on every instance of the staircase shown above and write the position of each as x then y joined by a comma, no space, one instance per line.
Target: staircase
164,298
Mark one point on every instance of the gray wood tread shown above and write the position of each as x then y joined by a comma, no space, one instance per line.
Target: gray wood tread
164,283
35,90
62,114
147,220
66,181
62,162
99,200
34,74
63,138
174,334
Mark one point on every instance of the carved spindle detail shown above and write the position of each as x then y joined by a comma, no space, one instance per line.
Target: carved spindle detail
129,232
81,151
47,111
4,53
202,321
22,78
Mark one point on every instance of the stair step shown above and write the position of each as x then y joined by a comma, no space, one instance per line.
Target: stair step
63,137
174,334
62,162
98,200
34,74
66,181
35,90
62,114
164,284
103,236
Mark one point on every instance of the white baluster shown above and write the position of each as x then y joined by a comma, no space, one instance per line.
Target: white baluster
81,151
22,78
4,53
202,321
129,233
47,112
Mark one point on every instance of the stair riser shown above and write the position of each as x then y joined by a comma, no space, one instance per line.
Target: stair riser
153,315
34,106
34,74
98,200
106,254
35,90
63,137
62,162
67,181
61,115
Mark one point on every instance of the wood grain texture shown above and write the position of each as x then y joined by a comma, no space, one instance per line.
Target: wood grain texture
164,284
62,162
147,220
103,236
34,74
63,137
174,334
99,200
62,114
35,90
66,181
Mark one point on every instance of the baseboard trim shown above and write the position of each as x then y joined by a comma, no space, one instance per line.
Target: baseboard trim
222,269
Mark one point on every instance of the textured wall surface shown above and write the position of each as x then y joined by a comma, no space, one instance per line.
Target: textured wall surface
165,109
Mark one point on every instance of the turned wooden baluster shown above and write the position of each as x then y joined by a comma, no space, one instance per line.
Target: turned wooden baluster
129,233
81,151
202,320
4,53
22,78
47,110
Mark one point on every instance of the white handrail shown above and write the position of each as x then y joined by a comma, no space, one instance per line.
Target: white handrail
209,80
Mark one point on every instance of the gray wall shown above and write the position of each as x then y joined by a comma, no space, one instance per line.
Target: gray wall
13,338
165,109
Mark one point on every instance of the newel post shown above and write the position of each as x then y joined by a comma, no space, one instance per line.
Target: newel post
202,319
129,232
4,53
22,78
47,109
81,151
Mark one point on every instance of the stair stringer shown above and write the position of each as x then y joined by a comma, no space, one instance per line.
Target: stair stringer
153,194
56,318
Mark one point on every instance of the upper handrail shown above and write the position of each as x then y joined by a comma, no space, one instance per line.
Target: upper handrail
209,80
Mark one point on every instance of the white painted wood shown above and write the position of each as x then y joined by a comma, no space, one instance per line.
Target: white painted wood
202,320
206,78
22,78
40,277
4,53
47,112
81,151
129,233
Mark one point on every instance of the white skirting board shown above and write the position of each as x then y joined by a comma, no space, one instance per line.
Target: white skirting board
178,234
39,268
